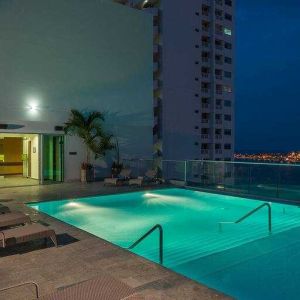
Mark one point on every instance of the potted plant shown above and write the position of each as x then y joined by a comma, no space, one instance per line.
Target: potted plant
88,126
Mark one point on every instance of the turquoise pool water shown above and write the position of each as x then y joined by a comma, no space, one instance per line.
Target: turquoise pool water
242,260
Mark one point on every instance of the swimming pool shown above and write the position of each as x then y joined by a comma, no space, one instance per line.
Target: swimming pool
242,260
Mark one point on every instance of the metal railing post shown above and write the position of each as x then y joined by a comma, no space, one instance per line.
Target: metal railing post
185,177
250,213
161,241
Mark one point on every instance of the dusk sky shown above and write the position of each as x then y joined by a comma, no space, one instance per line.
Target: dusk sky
268,75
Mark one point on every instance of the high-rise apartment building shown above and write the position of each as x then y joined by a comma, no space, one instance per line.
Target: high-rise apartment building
193,56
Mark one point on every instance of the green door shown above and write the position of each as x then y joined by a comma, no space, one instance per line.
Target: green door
53,158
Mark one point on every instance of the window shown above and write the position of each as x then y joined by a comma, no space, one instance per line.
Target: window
227,132
196,144
228,17
197,29
228,2
197,46
227,103
218,146
227,89
228,46
219,44
196,127
227,74
219,29
196,95
227,117
196,111
204,131
227,31
205,10
227,146
196,79
219,14
218,102
197,13
228,60
196,62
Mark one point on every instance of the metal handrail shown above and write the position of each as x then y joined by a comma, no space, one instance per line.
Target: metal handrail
250,213
159,227
22,284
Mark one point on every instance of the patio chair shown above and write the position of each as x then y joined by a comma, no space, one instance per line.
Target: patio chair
22,234
13,219
121,178
102,287
150,176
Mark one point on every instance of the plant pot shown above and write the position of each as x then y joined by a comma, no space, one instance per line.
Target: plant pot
87,175
83,175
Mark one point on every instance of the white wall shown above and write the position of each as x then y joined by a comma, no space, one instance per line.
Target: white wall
56,55
35,157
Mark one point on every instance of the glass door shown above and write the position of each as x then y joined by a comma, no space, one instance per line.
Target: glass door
53,158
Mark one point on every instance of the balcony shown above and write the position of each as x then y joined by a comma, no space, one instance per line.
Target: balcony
205,75
218,136
219,47
204,90
205,105
219,107
155,66
205,121
155,84
219,62
205,44
204,136
205,59
205,12
219,77
219,92
218,121
204,151
218,151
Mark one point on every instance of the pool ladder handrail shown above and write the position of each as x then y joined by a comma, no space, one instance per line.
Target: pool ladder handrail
250,213
161,240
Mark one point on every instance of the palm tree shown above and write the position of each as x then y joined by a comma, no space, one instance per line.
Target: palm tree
89,127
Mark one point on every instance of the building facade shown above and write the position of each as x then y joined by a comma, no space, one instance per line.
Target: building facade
193,59
59,55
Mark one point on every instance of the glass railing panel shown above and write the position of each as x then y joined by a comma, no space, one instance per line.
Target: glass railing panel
138,167
236,178
264,180
174,170
289,182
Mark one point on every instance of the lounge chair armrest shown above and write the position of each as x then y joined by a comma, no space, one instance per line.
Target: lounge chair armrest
3,238
36,287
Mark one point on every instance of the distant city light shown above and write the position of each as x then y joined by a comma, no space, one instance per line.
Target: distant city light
290,157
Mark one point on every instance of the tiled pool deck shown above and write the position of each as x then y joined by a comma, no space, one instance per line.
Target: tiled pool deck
81,256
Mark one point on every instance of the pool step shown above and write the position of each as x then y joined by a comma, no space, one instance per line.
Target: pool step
225,259
186,249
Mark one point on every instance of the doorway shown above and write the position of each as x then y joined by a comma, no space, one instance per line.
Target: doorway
53,158
19,159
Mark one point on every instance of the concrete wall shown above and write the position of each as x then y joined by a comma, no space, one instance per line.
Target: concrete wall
181,107
56,55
